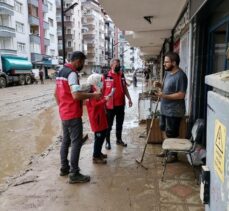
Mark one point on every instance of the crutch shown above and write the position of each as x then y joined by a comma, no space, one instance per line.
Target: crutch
149,133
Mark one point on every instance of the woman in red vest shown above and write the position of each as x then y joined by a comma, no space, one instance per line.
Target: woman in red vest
97,117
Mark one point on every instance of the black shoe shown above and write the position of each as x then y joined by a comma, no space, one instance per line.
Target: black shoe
64,172
103,155
99,160
108,145
78,178
120,142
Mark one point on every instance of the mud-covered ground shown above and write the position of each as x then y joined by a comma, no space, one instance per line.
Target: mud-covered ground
29,154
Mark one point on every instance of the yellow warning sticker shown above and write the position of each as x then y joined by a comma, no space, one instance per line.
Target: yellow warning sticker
219,148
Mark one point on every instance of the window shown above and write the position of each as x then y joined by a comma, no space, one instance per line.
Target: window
67,18
50,6
52,52
21,47
19,27
51,37
68,31
18,6
50,22
69,44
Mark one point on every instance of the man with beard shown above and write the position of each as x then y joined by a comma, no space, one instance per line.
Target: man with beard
69,98
115,85
172,99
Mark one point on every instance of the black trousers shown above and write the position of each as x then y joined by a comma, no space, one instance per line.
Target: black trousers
72,135
171,125
98,144
119,113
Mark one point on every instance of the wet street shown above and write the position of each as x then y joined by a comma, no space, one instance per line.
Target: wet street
30,127
28,123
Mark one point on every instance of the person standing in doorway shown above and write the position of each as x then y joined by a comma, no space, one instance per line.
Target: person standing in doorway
172,99
114,81
69,98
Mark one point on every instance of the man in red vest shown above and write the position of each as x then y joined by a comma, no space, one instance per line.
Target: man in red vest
114,81
69,98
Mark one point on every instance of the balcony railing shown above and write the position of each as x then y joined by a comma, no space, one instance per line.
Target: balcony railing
6,8
33,2
46,41
89,36
35,39
66,23
6,31
34,20
92,32
46,25
45,8
69,49
68,36
8,51
36,57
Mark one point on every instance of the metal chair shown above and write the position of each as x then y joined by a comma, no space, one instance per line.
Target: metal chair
186,146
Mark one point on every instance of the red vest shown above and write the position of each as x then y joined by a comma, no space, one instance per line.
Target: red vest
97,114
117,81
68,107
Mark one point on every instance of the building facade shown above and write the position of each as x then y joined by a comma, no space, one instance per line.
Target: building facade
72,25
28,28
93,20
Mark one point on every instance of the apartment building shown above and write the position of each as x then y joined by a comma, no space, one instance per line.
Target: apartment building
73,26
7,27
42,27
109,39
28,28
93,20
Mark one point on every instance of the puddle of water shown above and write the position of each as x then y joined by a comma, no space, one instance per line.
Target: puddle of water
24,137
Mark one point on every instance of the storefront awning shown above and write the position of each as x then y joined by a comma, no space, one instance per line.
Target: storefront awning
148,22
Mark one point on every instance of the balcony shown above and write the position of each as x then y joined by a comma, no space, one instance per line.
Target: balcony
46,41
90,16
91,32
6,31
33,2
35,39
6,9
90,45
8,51
69,49
89,36
58,18
36,57
90,55
46,25
45,8
66,24
34,20
68,36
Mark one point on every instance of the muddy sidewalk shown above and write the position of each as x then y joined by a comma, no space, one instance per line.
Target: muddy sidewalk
119,185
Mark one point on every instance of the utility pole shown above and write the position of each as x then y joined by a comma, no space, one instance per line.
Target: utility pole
62,25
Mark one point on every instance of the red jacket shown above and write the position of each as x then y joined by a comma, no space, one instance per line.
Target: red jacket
117,81
68,107
97,114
